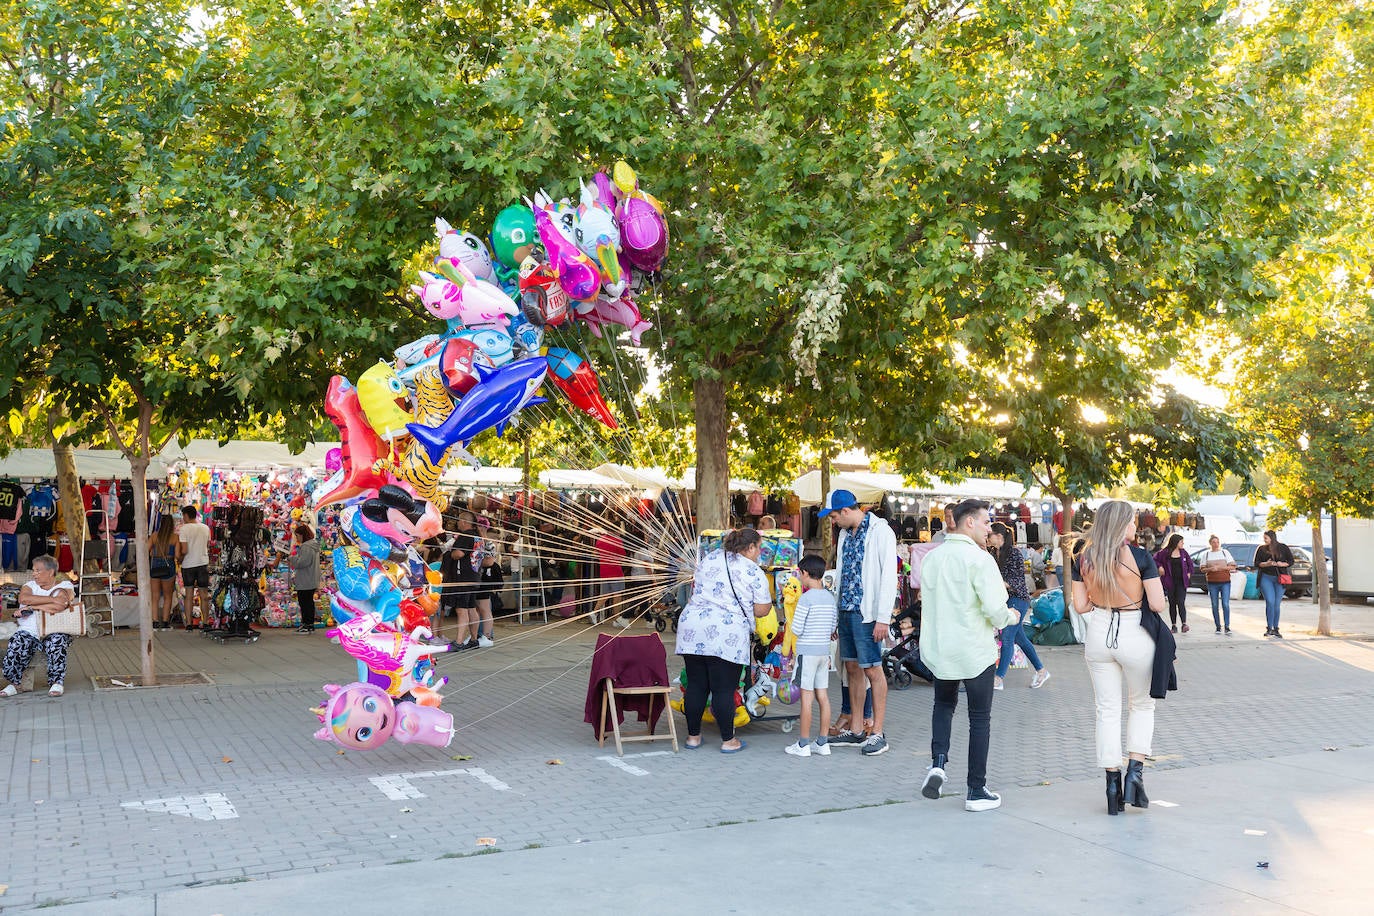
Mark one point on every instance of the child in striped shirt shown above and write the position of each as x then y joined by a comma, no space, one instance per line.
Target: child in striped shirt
813,624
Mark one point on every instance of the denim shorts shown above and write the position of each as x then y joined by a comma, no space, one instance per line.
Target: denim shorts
856,640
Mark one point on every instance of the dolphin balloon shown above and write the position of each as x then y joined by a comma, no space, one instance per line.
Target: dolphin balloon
576,378
491,403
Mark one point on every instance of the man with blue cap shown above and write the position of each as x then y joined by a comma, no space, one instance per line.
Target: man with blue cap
866,555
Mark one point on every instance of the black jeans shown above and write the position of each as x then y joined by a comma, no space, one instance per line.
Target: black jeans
709,674
1176,596
979,691
305,597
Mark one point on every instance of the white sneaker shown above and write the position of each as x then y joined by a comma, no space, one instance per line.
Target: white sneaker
1040,678
55,690
484,643
620,623
997,684
819,750
800,750
935,781
9,691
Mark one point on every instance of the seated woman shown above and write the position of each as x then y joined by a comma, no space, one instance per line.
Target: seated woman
42,595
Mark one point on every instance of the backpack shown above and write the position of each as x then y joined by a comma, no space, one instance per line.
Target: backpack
1059,633
1048,608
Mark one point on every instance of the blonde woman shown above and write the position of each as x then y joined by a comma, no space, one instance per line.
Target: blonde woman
1116,587
162,571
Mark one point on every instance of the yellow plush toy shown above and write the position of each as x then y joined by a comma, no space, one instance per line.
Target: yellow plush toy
791,594
767,627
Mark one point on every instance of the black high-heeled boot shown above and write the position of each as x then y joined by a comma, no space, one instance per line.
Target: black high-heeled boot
1113,791
1135,785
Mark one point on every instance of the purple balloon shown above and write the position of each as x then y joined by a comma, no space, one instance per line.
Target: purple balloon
333,460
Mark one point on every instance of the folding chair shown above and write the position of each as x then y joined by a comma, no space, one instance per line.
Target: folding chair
628,672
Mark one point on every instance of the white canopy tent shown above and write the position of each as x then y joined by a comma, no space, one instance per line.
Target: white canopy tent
91,464
465,475
639,478
869,487
244,455
737,484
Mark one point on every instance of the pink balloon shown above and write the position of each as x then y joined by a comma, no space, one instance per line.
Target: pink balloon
333,460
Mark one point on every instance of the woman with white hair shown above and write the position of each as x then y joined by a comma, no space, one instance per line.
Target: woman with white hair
42,595
1116,587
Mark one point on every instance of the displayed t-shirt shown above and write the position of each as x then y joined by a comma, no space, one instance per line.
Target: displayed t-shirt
42,510
11,506
196,537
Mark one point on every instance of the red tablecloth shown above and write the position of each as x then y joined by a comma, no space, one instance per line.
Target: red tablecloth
629,661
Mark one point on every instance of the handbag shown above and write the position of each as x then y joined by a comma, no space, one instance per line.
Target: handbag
72,622
162,567
1218,574
1285,579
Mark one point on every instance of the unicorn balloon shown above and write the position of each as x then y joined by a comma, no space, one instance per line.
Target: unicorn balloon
598,237
459,297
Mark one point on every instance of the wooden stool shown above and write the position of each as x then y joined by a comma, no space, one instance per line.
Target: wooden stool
609,708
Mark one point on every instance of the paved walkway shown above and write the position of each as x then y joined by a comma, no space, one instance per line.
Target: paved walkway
216,799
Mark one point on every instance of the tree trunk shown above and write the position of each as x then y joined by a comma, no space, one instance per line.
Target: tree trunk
73,509
138,466
1321,584
827,529
1066,506
713,458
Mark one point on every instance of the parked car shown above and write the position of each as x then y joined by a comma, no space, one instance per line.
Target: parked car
1301,570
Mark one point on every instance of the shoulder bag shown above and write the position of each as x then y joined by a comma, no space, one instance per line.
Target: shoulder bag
1218,571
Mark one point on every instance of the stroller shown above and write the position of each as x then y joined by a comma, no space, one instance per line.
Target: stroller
903,660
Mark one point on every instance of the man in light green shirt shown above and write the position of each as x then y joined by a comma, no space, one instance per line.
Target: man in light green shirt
963,601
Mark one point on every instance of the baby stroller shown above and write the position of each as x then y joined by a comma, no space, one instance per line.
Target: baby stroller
904,659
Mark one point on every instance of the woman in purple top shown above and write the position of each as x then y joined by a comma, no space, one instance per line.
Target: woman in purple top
1175,572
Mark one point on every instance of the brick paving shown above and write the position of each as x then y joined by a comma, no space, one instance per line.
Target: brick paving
74,764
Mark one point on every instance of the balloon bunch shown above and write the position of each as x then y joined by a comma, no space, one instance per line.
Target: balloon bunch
404,420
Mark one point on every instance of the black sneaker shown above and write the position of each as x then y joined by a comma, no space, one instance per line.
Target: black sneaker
982,800
1277,634
847,739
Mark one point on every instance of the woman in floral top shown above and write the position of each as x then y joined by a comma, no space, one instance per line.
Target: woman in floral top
713,632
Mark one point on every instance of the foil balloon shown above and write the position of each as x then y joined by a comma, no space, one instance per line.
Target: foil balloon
457,367
362,717
620,311
333,460
574,376
513,236
496,345
492,403
432,406
598,237
543,301
397,662
527,336
575,271
460,298
643,231
384,400
467,248
359,447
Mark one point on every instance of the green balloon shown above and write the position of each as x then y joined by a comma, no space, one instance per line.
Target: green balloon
512,231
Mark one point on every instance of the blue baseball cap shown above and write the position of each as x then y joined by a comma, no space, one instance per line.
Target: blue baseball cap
837,500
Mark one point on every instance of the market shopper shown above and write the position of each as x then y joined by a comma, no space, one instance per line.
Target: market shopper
43,594
1175,572
491,578
305,574
963,599
729,591
867,561
461,580
1273,561
1116,587
1012,565
162,571
1218,565
193,553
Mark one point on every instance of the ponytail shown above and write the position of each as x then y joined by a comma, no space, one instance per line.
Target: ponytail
738,539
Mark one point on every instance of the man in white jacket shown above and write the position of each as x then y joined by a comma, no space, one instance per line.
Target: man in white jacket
866,556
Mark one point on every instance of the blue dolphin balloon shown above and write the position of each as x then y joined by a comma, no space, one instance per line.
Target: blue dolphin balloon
499,394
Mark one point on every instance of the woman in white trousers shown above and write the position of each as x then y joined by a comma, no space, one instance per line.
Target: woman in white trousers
1114,583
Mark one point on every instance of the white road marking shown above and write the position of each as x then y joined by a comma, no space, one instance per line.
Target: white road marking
1164,804
213,807
620,764
397,787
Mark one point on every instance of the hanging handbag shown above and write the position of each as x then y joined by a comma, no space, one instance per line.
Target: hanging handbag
1285,579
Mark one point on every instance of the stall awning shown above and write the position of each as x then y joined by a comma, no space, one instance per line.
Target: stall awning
637,478
737,484
244,455
465,475
869,487
91,464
